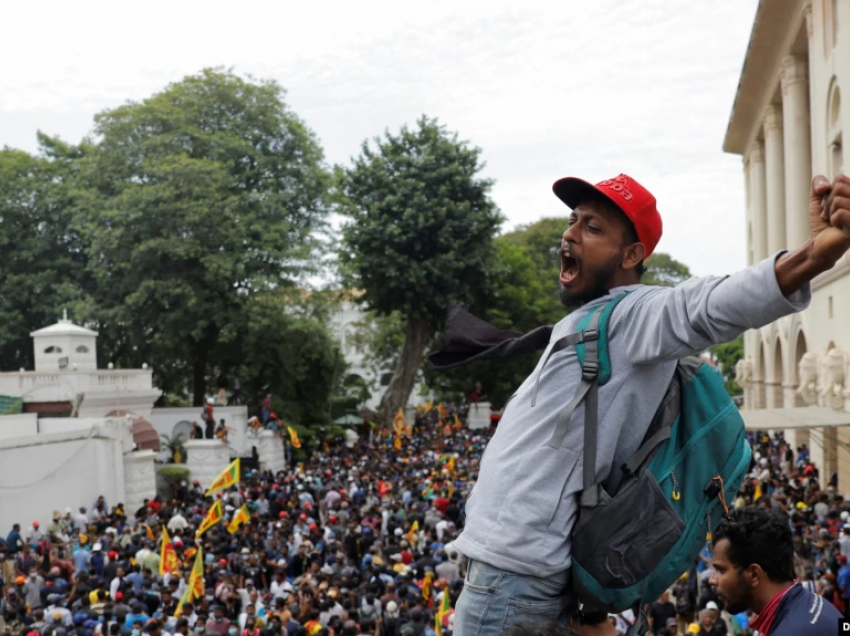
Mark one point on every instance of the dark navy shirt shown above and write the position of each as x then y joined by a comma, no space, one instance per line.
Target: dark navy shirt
804,613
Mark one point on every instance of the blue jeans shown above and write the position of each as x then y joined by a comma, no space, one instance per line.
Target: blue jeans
493,599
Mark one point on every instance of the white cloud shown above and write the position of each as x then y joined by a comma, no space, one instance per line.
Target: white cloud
546,89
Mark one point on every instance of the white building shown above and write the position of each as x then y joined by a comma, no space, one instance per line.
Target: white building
86,432
787,124
346,321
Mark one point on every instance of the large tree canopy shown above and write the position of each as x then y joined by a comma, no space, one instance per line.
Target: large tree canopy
197,199
419,234
41,263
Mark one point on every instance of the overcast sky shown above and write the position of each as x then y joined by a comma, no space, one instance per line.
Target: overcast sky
587,88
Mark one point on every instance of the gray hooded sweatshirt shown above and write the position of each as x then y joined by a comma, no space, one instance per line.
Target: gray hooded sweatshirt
522,510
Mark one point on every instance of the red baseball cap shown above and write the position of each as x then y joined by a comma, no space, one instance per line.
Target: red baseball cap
636,202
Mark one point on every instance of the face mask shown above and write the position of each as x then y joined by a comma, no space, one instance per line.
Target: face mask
232,631
199,630
218,619
137,632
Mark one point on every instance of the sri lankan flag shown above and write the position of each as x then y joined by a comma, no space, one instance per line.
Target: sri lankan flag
758,494
196,579
428,589
227,478
397,443
399,425
293,437
411,535
442,612
168,560
457,423
214,515
186,598
242,516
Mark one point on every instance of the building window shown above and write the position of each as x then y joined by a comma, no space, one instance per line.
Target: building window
82,349
53,349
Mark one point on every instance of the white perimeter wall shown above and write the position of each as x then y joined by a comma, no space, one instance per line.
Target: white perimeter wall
50,471
18,425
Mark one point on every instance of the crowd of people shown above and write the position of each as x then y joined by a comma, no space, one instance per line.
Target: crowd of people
351,541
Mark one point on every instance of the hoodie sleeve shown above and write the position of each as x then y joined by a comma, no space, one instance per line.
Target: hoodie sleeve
662,323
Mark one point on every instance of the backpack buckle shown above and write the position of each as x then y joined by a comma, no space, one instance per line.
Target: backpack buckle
589,370
590,334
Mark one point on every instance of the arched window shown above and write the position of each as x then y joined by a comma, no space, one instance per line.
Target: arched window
82,349
53,349
834,131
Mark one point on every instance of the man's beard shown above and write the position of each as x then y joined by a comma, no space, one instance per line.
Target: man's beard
601,284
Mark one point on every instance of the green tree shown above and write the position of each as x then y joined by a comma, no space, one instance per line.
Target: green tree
41,263
419,235
727,355
292,357
662,269
196,200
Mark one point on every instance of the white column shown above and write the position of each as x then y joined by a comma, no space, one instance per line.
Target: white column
270,450
759,201
798,148
774,155
749,212
139,479
205,459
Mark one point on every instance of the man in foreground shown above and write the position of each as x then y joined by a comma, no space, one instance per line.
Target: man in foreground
522,511
754,570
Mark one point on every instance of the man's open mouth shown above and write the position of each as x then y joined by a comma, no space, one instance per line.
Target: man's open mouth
569,265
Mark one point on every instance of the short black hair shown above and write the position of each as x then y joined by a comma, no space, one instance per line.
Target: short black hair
759,536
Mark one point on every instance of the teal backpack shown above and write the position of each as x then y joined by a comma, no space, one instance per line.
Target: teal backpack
631,545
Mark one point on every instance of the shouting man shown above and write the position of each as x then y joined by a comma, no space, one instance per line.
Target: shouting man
523,508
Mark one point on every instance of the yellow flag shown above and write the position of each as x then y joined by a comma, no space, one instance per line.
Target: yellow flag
241,516
196,579
441,409
399,424
411,535
457,423
293,437
186,598
214,515
168,557
227,478
397,443
758,493
148,531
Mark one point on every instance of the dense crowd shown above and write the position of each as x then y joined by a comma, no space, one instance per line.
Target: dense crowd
351,541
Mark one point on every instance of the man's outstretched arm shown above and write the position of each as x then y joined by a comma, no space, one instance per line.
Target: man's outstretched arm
670,323
829,224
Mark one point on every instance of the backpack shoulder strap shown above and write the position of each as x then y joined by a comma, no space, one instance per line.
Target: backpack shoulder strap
602,342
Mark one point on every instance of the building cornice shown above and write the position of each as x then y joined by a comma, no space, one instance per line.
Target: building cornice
774,28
